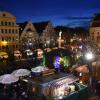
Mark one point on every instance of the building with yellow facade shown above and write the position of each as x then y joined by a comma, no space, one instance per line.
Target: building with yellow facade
9,31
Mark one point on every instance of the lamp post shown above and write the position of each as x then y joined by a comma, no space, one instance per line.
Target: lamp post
89,56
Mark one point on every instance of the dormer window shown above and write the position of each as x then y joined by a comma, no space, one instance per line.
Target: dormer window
4,15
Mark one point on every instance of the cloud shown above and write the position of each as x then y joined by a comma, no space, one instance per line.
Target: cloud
78,24
77,18
76,21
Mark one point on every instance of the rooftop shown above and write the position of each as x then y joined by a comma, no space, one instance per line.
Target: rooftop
42,80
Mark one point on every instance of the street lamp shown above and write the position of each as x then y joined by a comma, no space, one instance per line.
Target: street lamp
4,43
89,56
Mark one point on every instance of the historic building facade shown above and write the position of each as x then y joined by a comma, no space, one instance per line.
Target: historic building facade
28,35
34,34
95,29
47,35
9,31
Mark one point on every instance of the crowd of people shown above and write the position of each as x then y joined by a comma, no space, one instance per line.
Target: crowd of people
15,91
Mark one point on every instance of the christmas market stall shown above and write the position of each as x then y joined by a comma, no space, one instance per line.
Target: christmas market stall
54,86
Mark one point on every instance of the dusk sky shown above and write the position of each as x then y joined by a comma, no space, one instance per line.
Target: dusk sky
60,12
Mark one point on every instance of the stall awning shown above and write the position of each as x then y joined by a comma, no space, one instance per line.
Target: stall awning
3,55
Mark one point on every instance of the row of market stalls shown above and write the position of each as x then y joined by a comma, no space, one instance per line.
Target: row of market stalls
18,54
4,55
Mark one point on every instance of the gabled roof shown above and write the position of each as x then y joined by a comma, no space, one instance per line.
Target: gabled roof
6,14
21,26
40,26
95,24
96,17
96,20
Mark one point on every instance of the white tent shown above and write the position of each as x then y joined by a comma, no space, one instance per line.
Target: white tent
8,79
21,72
39,69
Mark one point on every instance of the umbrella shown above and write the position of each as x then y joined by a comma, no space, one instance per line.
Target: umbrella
21,72
8,79
39,69
82,69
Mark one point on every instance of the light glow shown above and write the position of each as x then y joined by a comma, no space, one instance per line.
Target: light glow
89,56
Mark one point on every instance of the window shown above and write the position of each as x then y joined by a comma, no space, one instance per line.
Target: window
13,39
12,23
98,38
4,15
16,31
16,38
13,31
9,23
5,30
6,23
9,30
2,31
9,38
1,22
